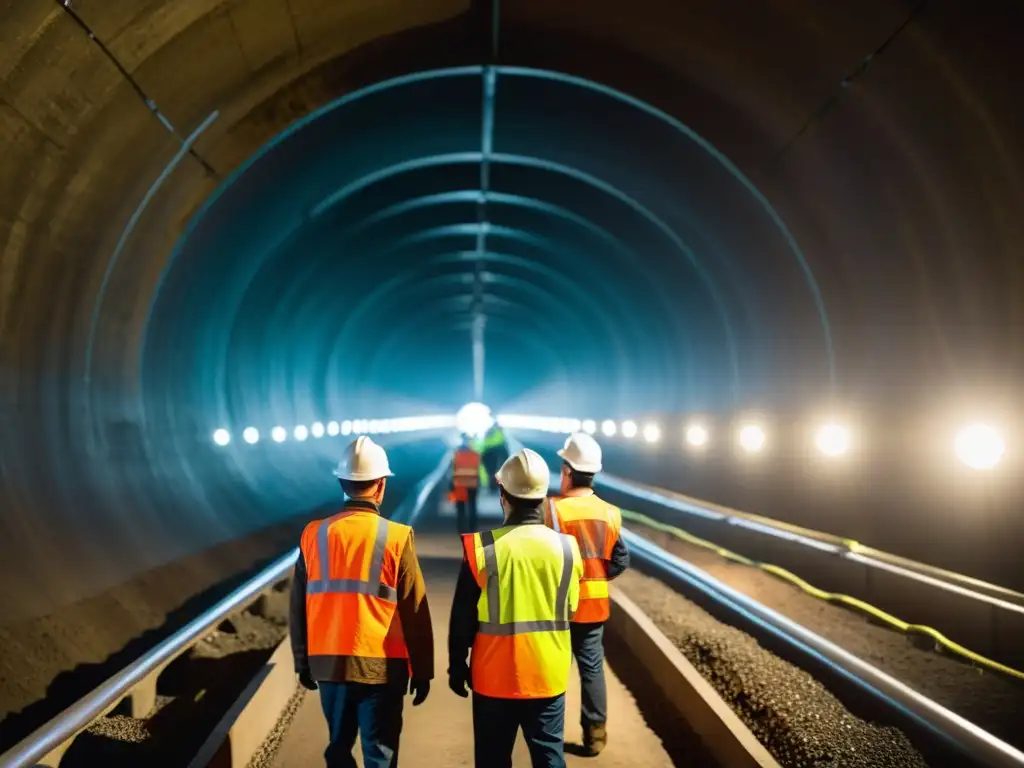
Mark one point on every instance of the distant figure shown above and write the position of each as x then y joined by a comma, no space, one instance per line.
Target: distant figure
493,453
465,483
360,624
596,526
516,593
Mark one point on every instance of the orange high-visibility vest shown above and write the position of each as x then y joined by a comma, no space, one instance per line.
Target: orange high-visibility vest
596,526
352,564
529,586
466,468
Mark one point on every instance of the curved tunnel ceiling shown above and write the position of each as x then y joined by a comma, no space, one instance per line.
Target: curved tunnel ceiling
263,211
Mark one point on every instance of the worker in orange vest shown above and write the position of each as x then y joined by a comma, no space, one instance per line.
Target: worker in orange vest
596,526
465,483
360,623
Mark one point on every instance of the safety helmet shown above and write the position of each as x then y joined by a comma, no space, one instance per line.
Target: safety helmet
363,460
525,475
582,453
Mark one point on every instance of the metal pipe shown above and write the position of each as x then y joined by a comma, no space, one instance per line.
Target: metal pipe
97,702
948,581
953,729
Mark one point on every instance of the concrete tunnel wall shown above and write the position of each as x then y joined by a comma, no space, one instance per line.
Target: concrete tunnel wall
902,194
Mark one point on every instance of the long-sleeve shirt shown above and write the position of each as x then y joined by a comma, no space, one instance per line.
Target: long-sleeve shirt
413,611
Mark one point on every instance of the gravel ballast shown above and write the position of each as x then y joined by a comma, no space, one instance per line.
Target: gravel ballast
988,699
800,722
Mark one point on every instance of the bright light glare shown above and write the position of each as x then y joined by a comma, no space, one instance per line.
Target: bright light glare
221,437
608,427
332,429
346,427
629,429
696,435
251,435
652,433
474,419
317,430
301,433
279,434
833,440
589,426
980,446
752,438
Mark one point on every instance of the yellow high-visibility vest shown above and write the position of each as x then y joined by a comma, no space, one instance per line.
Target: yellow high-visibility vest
529,579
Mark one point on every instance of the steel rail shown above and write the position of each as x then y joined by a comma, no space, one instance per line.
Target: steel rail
63,728
953,730
966,586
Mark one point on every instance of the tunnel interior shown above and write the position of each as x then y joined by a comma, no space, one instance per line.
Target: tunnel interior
260,213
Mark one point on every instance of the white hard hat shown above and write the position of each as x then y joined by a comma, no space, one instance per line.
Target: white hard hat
525,475
363,460
582,453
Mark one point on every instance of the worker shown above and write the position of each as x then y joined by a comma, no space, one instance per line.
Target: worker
596,527
515,596
360,623
494,451
465,482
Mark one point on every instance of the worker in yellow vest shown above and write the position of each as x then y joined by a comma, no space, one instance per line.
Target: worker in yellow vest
360,623
514,601
596,527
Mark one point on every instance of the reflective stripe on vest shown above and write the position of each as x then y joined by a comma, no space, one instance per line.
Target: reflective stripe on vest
596,526
529,580
494,625
373,585
466,470
352,570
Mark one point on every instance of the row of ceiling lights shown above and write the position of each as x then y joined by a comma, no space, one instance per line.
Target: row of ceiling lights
979,446
319,429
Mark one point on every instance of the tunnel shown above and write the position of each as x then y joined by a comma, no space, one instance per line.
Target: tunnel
259,214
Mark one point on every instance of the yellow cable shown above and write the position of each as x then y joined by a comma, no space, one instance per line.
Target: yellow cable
821,594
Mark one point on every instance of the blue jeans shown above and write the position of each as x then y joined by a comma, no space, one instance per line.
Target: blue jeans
374,712
588,648
497,721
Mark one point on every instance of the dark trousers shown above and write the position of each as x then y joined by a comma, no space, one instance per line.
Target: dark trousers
496,722
465,512
588,649
492,461
374,712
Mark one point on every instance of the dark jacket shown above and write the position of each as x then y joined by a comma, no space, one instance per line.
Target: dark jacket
413,612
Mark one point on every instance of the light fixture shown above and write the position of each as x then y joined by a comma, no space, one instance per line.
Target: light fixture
332,429
317,430
589,426
279,434
696,435
652,433
629,429
752,438
346,427
300,433
980,446
833,440
221,437
608,428
251,435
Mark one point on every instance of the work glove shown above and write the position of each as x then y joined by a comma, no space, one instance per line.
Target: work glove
421,689
458,681
306,681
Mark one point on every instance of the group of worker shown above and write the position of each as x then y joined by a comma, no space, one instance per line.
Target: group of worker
530,596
